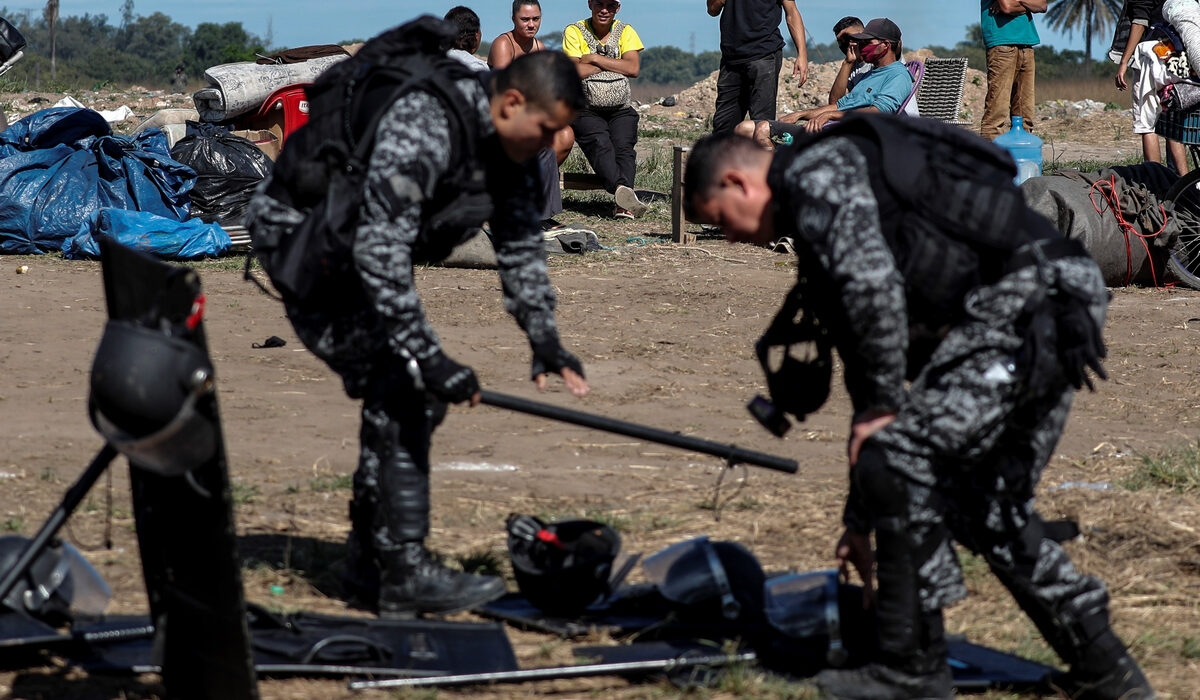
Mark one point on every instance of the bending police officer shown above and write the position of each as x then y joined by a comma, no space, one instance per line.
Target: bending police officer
384,349
993,317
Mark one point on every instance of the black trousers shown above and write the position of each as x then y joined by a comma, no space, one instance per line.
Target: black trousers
748,87
551,191
607,138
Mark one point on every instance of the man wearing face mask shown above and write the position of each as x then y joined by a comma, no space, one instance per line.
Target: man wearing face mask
850,73
883,89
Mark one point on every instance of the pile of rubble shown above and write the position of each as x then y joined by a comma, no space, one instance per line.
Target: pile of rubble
696,102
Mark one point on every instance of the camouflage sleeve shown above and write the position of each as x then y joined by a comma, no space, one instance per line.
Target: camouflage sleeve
412,151
521,252
840,218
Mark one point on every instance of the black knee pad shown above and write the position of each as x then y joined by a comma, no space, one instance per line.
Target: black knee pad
883,492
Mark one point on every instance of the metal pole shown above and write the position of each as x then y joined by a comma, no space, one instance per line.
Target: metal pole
70,502
559,672
731,453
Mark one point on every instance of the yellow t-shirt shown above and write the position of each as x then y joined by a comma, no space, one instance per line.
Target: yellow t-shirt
574,46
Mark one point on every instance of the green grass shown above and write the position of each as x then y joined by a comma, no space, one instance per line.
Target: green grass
336,482
1176,470
244,494
482,561
1051,167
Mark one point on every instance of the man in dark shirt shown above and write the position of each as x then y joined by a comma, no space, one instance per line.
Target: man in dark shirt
752,56
957,453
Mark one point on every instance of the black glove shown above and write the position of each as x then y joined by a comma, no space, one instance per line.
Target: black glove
1080,343
549,356
448,380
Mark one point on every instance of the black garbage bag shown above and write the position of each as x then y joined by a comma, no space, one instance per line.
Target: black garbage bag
228,168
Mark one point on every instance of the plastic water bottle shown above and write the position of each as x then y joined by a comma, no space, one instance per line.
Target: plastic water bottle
1025,148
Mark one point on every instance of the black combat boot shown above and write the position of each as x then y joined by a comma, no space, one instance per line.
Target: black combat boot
360,573
1106,671
415,582
920,672
876,681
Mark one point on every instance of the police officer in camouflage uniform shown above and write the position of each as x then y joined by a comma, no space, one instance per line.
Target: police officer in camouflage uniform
993,365
384,348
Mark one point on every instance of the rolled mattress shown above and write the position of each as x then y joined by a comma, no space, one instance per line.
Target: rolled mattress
237,88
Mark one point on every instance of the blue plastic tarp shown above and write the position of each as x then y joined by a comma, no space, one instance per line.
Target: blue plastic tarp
158,235
60,165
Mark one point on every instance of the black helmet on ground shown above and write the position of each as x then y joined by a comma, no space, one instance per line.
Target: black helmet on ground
561,567
709,581
58,585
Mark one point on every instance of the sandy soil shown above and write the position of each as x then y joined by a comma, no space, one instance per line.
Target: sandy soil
666,335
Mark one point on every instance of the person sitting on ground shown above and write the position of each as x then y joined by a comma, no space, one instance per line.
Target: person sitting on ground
518,41
607,52
882,85
468,39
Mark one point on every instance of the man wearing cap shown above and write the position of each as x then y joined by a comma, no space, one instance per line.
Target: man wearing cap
1009,37
883,89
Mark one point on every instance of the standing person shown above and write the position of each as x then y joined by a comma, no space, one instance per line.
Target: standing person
607,53
426,191
518,41
992,316
1137,16
1009,36
752,56
179,83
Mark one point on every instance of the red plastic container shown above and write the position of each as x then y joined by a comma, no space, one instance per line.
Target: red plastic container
283,112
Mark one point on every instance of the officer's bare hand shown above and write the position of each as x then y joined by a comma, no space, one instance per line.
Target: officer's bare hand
854,549
574,382
864,426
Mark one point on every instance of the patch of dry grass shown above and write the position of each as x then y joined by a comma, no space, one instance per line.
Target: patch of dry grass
1075,89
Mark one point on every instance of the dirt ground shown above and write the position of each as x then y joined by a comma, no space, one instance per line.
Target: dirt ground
665,333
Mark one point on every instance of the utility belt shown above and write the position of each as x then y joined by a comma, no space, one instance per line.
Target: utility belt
1062,338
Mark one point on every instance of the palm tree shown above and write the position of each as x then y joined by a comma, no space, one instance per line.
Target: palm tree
1090,15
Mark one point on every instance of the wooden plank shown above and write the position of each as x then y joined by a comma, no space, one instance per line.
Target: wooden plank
582,181
677,220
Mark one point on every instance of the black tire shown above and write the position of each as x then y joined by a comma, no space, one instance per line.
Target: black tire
1184,262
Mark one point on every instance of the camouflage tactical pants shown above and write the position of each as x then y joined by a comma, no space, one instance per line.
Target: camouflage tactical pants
962,460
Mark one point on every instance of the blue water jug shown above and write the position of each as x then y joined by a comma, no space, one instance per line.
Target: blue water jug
1025,148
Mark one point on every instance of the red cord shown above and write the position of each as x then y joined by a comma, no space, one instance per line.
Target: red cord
1108,190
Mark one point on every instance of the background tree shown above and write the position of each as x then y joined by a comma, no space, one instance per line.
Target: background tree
1088,15
51,16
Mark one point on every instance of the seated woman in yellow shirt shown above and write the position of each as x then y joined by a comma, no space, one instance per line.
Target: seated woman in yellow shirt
607,53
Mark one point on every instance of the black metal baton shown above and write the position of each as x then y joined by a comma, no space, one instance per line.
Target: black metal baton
731,453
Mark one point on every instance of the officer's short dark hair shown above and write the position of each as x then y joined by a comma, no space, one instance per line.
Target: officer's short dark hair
544,78
847,21
711,156
468,27
518,4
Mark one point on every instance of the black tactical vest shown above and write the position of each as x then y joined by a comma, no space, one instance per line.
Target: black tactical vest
948,208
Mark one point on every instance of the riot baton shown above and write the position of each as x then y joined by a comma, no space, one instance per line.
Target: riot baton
730,453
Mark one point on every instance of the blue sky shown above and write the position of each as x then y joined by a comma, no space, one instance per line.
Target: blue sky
659,22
